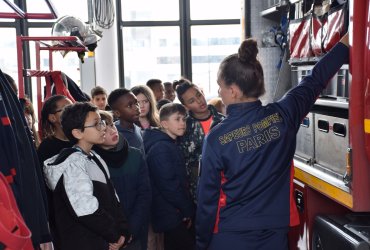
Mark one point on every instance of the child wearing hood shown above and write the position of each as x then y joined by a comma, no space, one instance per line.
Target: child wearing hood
172,207
86,209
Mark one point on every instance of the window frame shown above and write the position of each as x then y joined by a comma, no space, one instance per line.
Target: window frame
184,23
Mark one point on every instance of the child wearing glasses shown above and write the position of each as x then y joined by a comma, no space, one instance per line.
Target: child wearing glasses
129,174
126,108
86,209
172,207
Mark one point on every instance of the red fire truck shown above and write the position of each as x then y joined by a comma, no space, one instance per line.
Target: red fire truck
332,161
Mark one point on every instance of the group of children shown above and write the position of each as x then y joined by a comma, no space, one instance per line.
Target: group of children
119,172
121,175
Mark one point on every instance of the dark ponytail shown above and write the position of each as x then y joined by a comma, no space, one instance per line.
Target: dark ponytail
248,51
244,70
49,107
181,86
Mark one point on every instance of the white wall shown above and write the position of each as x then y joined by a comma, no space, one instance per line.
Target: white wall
106,60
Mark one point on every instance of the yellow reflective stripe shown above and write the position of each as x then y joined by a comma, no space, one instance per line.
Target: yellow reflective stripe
367,126
324,187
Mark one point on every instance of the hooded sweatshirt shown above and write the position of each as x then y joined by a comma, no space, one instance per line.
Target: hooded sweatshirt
87,211
130,177
171,200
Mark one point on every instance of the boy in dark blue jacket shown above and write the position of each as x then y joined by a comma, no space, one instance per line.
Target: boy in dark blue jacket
172,207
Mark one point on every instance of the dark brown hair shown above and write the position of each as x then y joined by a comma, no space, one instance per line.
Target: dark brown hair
244,70
49,107
106,116
152,115
181,86
29,110
12,83
98,91
74,117
152,82
169,109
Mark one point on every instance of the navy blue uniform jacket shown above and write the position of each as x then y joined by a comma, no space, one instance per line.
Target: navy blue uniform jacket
171,200
244,181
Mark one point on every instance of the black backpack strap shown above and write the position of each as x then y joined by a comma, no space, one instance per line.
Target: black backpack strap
64,155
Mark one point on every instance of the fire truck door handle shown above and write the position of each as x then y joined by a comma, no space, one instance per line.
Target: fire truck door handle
323,126
339,129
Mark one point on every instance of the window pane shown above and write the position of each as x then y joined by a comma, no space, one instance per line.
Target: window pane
8,52
209,47
6,9
149,10
211,9
66,7
151,52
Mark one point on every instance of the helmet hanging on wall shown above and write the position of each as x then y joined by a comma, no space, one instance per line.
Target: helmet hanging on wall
73,26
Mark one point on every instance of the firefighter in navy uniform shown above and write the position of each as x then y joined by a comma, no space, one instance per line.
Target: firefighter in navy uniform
244,187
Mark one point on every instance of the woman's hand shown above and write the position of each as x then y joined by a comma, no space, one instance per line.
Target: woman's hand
118,244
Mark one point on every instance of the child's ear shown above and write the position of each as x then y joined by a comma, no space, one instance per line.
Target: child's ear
164,124
77,133
52,118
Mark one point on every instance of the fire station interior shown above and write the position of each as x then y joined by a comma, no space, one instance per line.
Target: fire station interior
121,44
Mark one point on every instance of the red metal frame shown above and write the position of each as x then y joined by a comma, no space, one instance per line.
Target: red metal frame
20,14
41,44
358,51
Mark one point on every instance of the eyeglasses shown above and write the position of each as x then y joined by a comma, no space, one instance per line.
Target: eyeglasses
99,125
